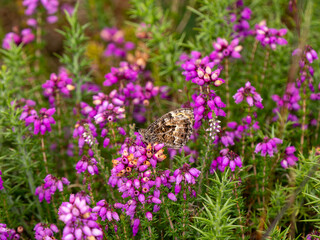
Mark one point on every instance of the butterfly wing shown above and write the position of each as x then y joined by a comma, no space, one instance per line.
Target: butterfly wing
173,129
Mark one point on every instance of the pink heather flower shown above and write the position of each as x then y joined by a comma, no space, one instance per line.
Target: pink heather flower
1,182
289,158
249,94
226,158
26,36
116,43
224,50
87,164
270,36
172,197
106,211
199,70
42,121
206,106
7,233
268,146
60,84
45,232
51,7
80,222
50,186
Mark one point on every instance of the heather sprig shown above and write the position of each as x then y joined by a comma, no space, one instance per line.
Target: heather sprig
74,58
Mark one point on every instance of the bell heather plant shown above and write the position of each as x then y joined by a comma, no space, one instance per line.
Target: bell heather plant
79,82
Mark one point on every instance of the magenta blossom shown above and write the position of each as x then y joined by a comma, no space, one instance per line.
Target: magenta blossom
289,158
226,158
45,232
42,121
270,36
61,84
80,222
87,164
268,146
225,50
1,182
50,186
249,93
26,36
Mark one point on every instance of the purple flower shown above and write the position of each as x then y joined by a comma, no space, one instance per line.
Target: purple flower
268,146
249,93
226,158
51,7
289,159
7,233
199,70
135,226
50,186
80,222
87,164
225,50
26,36
42,121
44,231
239,17
206,106
270,36
105,211
1,182
60,84
116,43
172,197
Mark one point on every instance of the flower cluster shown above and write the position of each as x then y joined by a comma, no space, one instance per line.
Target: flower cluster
43,231
87,164
8,234
41,122
225,50
51,7
227,158
79,219
125,72
1,182
83,136
60,84
106,211
206,106
117,46
50,186
199,70
306,71
240,18
270,36
289,158
249,93
235,132
135,175
290,100
268,146
26,36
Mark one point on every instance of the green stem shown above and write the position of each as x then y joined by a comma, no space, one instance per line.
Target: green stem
26,161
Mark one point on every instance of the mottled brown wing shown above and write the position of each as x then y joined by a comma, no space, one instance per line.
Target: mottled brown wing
173,129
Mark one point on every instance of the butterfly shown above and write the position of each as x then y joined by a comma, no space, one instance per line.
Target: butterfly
172,129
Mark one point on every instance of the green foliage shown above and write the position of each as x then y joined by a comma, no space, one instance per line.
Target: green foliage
217,221
74,57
